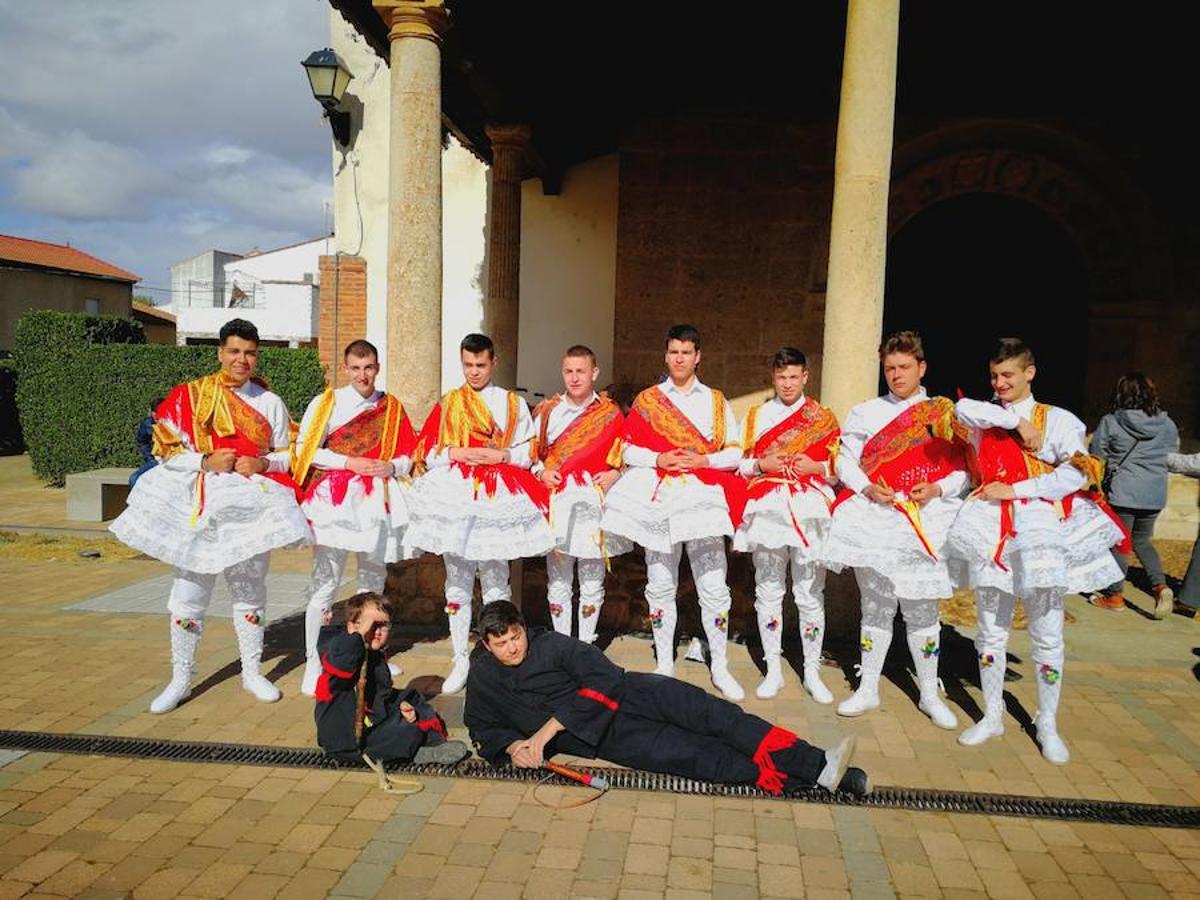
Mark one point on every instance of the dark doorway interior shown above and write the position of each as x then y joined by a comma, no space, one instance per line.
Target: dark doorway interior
975,268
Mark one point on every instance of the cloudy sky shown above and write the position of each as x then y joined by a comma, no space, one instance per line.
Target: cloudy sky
145,131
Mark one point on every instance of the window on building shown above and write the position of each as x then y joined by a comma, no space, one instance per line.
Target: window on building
91,306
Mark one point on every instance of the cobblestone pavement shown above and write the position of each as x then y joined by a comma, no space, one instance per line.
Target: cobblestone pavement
105,827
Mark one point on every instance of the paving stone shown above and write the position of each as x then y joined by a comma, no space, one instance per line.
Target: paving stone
363,879
689,874
646,860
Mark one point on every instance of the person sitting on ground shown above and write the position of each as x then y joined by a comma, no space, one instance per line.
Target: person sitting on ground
1134,439
399,725
534,693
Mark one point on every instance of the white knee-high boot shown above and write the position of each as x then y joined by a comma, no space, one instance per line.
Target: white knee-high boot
460,643
925,646
808,587
874,643
315,615
250,627
560,576
662,627
591,597
1049,688
716,629
185,638
770,632
992,664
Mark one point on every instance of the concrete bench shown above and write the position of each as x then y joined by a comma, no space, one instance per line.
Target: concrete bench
98,495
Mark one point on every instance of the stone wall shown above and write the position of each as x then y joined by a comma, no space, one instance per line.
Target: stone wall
723,223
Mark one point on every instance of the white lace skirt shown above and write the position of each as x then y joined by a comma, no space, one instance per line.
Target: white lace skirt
868,535
449,514
371,523
657,516
242,517
768,523
1045,554
575,514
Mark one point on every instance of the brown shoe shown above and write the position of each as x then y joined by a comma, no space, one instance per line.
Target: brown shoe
1164,599
1115,602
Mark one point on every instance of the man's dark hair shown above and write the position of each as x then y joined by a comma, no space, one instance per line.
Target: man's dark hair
238,328
478,343
684,333
1135,390
903,342
497,618
356,604
788,356
157,402
580,350
1013,348
361,349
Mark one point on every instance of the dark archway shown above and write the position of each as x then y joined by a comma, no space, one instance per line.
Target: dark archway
976,267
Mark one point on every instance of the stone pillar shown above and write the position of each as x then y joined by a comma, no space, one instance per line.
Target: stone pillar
858,232
502,314
414,276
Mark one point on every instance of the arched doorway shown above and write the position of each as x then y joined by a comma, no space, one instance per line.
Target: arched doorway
975,267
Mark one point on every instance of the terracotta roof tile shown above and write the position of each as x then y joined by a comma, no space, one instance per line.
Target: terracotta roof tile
24,251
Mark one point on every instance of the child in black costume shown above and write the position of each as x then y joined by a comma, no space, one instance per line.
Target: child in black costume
400,725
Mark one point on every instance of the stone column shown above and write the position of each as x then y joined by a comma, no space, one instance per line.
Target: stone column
414,274
858,233
502,314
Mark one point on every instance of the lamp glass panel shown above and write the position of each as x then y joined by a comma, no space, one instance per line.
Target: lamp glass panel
321,78
340,82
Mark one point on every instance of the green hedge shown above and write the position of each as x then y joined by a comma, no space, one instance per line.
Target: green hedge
10,424
81,396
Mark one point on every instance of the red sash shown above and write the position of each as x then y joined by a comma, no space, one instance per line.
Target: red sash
1002,458
811,430
657,424
924,443
587,445
370,435
462,419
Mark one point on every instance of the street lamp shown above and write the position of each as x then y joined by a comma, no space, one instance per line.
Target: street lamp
328,77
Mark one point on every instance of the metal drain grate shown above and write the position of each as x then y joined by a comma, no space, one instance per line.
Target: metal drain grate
1063,808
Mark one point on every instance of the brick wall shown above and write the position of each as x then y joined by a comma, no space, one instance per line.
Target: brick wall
343,309
723,223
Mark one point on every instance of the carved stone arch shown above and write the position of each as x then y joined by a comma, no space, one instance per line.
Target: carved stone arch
1070,181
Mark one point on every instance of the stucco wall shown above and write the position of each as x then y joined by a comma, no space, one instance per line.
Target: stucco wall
22,290
568,273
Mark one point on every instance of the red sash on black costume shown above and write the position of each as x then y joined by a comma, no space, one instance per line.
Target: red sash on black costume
462,419
811,430
657,424
1002,458
586,446
364,436
923,444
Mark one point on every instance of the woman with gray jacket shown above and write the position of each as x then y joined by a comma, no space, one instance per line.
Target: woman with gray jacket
1189,593
1134,440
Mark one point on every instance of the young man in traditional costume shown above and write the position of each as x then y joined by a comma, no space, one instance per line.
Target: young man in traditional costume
577,448
355,442
220,502
532,694
903,470
1037,527
787,446
477,506
680,490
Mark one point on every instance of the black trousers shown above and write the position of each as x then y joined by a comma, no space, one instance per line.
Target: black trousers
669,726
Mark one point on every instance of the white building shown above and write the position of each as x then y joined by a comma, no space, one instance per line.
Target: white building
277,290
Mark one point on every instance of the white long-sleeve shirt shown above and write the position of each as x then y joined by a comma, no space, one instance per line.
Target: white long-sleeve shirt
347,404
271,407
863,423
496,399
559,419
696,402
770,414
1064,438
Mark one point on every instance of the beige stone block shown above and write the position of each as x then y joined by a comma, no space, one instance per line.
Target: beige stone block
781,881
41,866
312,884
567,834
913,878
456,881
651,831
165,884
549,883
256,886
956,873
689,874
646,860
306,838
336,858
511,867
823,872
735,858
559,858
218,879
